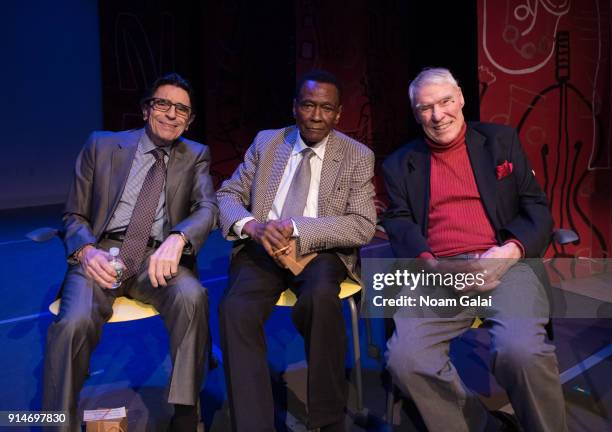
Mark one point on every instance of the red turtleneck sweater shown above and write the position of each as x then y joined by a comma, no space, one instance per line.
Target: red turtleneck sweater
457,220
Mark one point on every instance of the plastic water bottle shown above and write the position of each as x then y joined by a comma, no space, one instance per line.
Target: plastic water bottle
115,261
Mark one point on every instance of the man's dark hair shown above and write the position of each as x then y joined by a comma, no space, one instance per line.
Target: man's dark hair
319,76
170,79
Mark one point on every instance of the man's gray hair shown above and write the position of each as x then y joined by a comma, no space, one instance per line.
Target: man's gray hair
430,76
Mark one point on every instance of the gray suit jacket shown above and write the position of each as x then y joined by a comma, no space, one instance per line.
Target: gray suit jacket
101,172
346,214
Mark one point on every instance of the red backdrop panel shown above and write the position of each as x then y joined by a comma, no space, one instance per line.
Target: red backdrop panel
544,67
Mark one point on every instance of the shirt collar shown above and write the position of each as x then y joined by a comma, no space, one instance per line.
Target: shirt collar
318,148
145,145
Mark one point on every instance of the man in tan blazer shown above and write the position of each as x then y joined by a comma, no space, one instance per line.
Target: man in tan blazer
313,184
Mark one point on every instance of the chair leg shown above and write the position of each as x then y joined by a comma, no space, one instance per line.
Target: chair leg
200,427
390,405
373,350
361,415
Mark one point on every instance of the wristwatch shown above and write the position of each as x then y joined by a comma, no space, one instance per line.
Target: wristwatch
184,237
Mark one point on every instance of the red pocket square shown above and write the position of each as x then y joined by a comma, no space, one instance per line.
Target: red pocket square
503,170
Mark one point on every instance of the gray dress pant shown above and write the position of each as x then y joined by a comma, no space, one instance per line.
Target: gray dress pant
85,307
524,364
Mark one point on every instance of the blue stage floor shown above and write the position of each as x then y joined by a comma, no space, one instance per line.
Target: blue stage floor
131,365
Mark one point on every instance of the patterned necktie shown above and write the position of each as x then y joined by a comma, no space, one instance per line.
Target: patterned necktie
299,188
139,229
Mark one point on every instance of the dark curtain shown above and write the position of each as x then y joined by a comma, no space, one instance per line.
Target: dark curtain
243,58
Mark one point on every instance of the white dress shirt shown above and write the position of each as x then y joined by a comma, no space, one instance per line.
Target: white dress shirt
312,205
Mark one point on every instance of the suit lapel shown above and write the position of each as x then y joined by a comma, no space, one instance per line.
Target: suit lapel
483,165
175,173
418,165
281,156
330,170
121,162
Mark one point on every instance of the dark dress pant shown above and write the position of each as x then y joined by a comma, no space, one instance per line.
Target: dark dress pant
255,283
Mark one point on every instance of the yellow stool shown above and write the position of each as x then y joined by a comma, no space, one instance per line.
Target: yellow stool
124,309
348,289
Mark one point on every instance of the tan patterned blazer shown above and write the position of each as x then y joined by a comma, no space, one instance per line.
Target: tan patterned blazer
346,214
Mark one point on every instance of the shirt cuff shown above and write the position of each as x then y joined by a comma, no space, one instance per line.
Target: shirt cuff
296,233
518,243
237,227
74,258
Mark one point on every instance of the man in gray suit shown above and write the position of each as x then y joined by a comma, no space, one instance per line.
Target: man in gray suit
313,184
149,193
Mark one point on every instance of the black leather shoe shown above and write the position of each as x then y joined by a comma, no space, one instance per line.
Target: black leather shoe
185,419
509,422
335,427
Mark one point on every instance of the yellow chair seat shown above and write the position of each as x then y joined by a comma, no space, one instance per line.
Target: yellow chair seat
124,309
347,289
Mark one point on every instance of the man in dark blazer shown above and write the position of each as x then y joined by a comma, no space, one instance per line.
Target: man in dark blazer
151,189
334,217
467,190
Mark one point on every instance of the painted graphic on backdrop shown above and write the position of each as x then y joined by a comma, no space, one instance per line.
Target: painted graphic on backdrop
544,68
